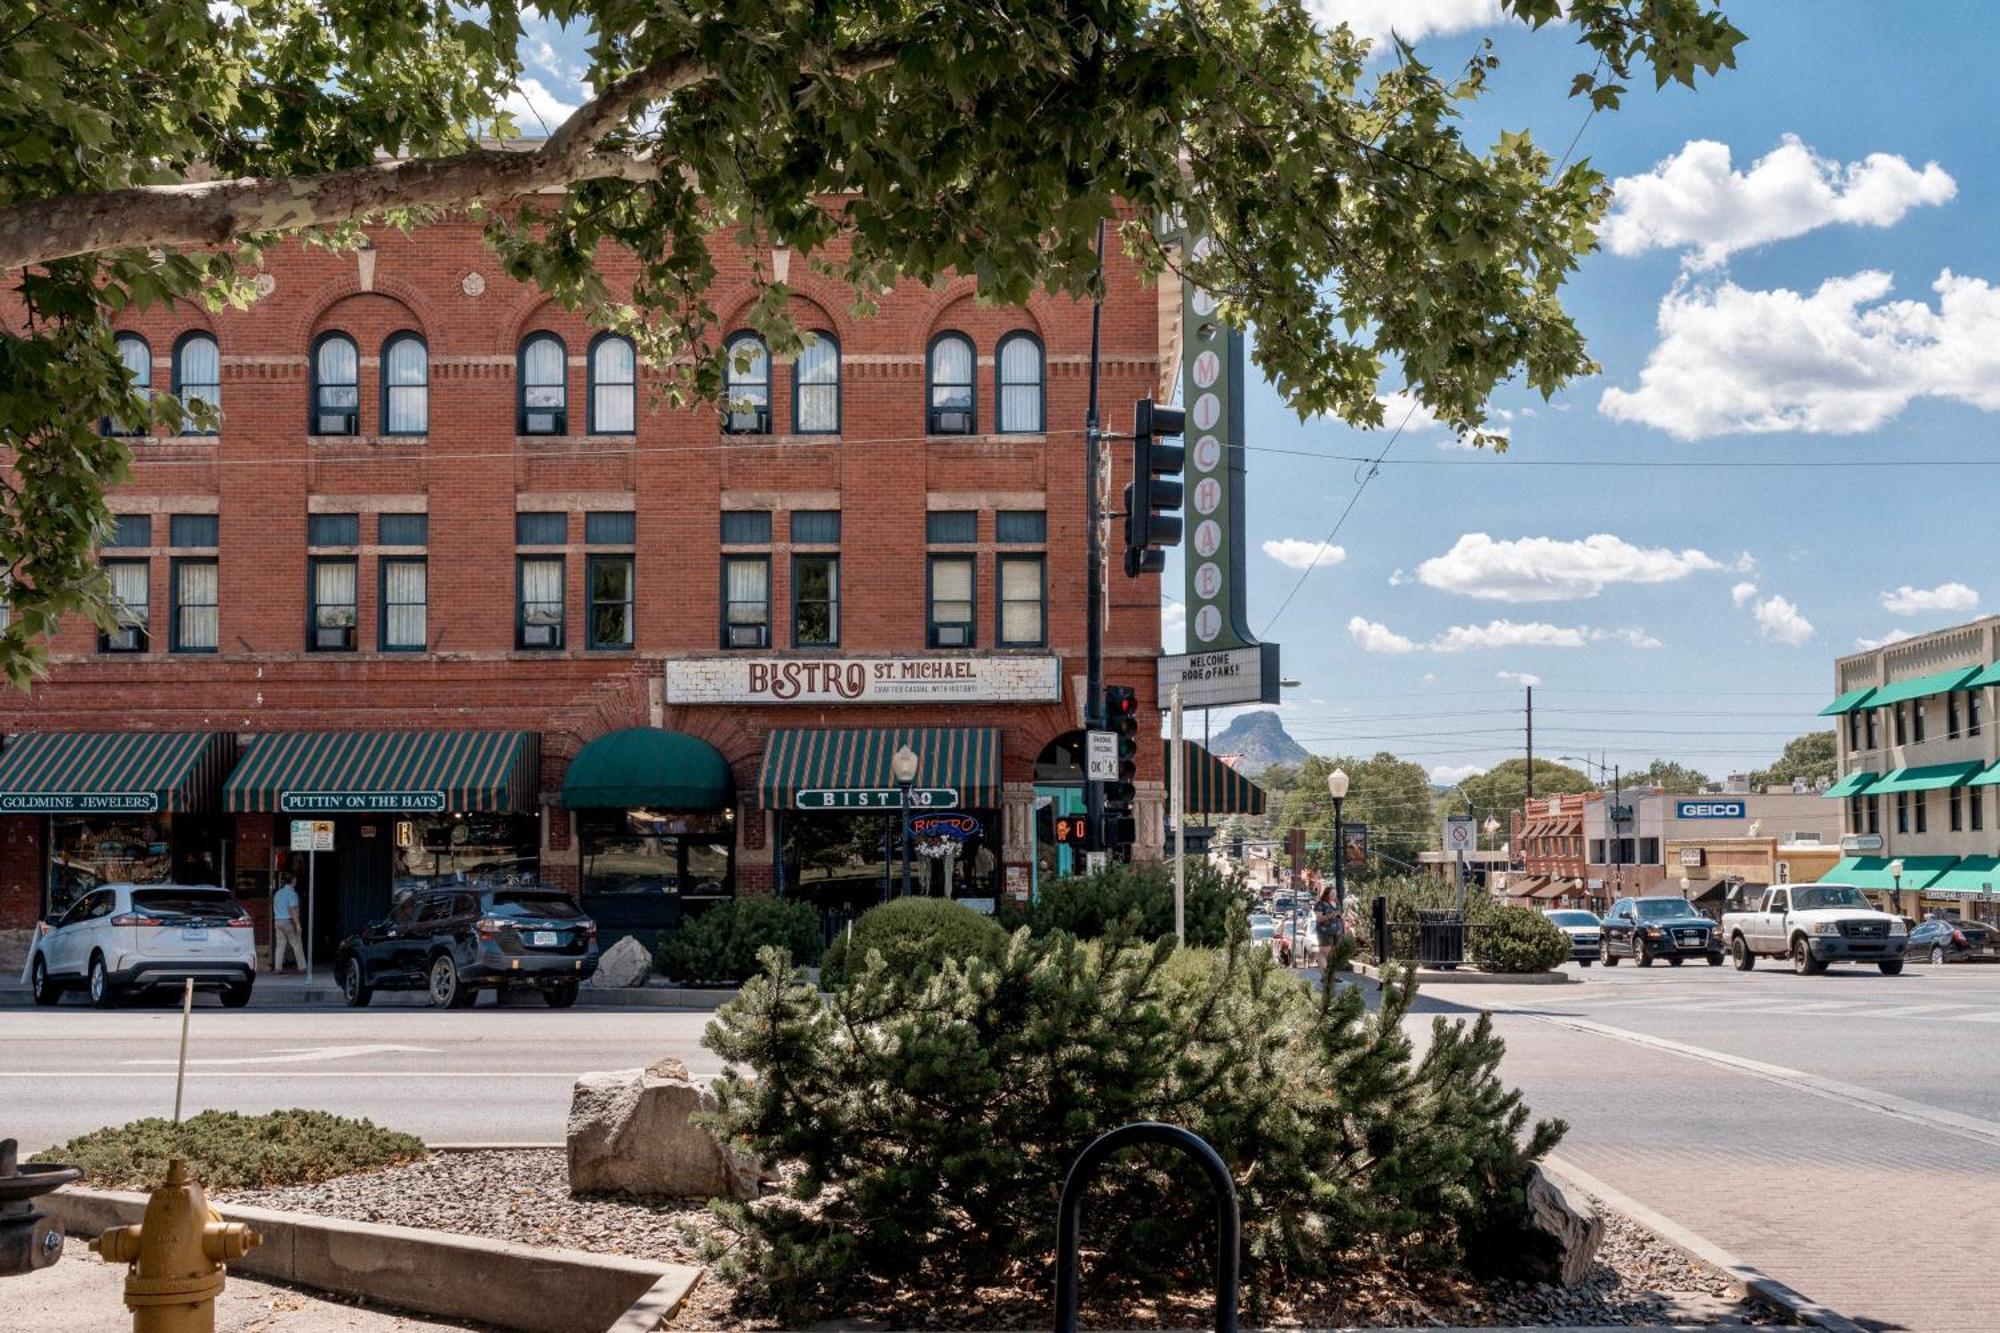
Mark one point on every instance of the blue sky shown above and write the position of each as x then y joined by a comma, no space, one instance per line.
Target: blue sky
1768,294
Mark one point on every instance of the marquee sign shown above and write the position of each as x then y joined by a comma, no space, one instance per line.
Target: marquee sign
80,803
918,679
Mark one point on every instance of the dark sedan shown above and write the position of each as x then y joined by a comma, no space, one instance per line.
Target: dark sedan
454,942
1643,929
1945,940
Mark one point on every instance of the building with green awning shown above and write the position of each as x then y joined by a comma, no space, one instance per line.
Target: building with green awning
1849,701
650,767
386,772
825,769
1213,787
1872,872
1927,777
1918,687
1851,785
106,772
1972,874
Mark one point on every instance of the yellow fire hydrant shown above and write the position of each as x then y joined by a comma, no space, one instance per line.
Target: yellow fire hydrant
177,1253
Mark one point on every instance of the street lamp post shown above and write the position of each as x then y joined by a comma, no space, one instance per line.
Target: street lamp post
903,767
1896,878
1336,787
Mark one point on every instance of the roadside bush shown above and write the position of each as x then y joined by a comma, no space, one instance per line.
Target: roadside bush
914,936
226,1150
927,1124
1139,900
721,945
1517,939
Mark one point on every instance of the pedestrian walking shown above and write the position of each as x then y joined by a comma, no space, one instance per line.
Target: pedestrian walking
1326,922
285,934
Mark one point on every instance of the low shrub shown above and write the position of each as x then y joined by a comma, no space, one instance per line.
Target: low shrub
226,1150
1517,939
721,945
914,937
1138,900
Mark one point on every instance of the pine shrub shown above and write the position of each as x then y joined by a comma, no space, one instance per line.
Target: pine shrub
1517,939
1138,900
721,945
913,936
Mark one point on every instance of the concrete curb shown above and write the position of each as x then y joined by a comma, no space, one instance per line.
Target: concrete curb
1470,976
496,1283
1750,1283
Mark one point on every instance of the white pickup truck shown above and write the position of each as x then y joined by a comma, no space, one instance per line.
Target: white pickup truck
1813,925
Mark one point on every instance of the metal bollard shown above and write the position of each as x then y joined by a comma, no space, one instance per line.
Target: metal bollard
177,1253
29,1237
1228,1221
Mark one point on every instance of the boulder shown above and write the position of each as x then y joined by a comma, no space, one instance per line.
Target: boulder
625,964
1564,1230
629,1134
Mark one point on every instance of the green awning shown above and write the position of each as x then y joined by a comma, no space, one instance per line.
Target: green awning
1930,777
1872,872
113,772
1848,702
386,772
957,768
1211,786
649,767
1850,785
1938,682
1972,874
1987,676
1986,777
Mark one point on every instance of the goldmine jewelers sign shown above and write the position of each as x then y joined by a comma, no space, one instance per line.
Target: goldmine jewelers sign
80,803
864,680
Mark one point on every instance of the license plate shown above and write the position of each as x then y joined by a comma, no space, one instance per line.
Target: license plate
194,932
542,939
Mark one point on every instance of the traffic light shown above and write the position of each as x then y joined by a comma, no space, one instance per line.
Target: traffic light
1073,831
1153,500
1121,718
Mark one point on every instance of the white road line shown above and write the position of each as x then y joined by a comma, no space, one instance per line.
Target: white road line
295,1055
326,1075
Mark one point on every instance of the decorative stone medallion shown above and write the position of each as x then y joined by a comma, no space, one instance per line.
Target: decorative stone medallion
473,284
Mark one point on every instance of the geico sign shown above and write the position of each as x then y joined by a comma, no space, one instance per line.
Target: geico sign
1710,810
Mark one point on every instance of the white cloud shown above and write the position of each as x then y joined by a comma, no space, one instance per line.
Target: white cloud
1908,601
1779,621
1404,411
1742,593
1896,635
535,109
1840,360
1430,677
1632,638
1544,569
1697,203
1448,775
543,55
1173,618
1300,553
1375,638
1411,20
1519,677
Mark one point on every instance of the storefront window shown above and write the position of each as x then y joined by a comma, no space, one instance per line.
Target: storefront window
481,850
849,862
85,851
640,865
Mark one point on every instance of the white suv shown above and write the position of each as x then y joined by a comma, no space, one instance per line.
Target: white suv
123,938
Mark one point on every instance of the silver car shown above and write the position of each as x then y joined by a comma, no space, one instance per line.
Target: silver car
1584,929
125,938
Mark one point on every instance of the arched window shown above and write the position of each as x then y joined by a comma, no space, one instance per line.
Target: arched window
613,385
336,386
948,383
197,378
406,385
816,387
137,358
544,375
1021,383
746,374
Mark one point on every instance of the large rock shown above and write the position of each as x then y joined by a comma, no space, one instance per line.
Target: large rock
1565,1231
629,1134
625,964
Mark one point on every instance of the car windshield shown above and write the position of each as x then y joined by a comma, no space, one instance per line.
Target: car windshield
533,904
185,902
1263,930
1573,918
1829,895
1660,909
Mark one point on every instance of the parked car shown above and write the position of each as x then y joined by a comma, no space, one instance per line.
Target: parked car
1584,930
1946,940
1643,929
1816,924
124,939
456,942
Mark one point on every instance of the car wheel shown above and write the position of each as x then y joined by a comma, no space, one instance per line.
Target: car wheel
1937,953
102,993
353,985
1739,951
1803,961
1715,960
1641,954
1586,962
236,996
1675,961
448,989
46,992
1891,967
1609,960
561,994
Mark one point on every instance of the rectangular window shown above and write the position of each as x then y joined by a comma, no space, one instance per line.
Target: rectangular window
1902,812
1902,725
1597,851
1874,728
1874,814
1918,712
1951,715
1972,705
195,627
131,599
816,527
1975,803
746,527
541,529
1920,801
1956,805
951,526
192,531
951,601
1021,602
1854,813
129,530
815,601
1019,526
610,580
333,529
1649,851
333,613
540,622
405,605
746,601
1854,730
405,529
609,527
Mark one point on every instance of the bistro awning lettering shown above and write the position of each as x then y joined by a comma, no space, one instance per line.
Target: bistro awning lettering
386,772
820,770
113,772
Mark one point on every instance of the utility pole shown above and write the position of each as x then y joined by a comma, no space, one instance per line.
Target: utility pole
1618,839
1531,743
1093,574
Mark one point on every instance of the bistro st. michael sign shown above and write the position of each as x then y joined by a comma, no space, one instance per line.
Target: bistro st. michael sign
929,678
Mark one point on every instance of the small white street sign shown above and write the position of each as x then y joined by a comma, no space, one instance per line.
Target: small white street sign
312,835
1460,834
1101,756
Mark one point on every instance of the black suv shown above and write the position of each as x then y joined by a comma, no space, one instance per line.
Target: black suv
1643,929
452,942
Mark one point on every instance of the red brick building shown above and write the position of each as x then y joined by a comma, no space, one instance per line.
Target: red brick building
442,543
1546,836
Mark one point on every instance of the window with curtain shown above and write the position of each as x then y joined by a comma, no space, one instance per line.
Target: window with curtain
544,376
196,628
197,379
405,605
816,387
541,617
815,601
951,601
610,581
131,598
746,373
949,373
334,608
406,386
1020,383
137,358
1021,602
336,386
614,385
746,598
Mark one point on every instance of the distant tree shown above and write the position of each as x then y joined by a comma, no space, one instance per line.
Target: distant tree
1391,796
1806,759
1277,781
1499,791
1667,774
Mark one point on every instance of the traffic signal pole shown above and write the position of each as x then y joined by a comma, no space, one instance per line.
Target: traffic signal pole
1093,574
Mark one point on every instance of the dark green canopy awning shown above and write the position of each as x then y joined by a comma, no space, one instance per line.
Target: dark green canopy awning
386,772
850,770
1213,787
1938,682
1848,702
650,768
130,772
1851,785
1872,872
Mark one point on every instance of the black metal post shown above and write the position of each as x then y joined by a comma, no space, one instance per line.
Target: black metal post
906,838
1339,855
1093,574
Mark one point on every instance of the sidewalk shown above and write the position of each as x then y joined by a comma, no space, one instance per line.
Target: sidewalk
296,990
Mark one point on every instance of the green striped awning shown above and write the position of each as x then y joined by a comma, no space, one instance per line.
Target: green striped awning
113,772
850,770
1848,702
1929,777
1972,874
1213,787
1989,675
1872,872
1851,785
1986,777
397,772
1938,682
